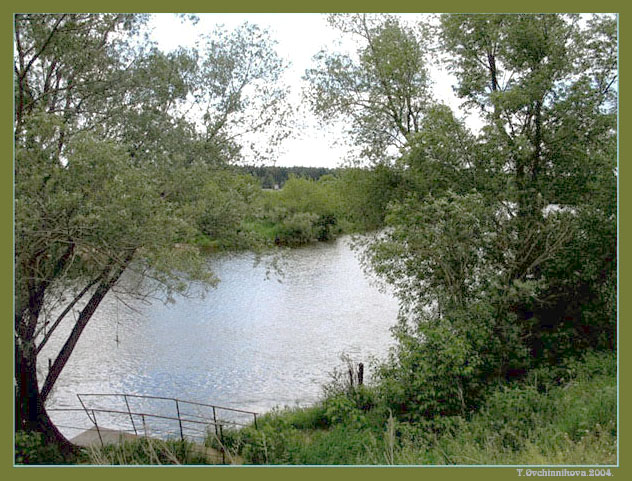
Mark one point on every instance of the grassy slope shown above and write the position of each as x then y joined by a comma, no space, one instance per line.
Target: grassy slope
562,416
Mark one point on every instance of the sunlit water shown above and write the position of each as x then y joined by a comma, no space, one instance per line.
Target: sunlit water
253,342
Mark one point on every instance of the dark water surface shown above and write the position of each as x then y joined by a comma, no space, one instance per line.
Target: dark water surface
252,342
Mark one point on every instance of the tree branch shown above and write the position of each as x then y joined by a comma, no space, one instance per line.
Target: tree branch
77,298
85,316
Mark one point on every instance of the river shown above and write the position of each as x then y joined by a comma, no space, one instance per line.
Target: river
254,342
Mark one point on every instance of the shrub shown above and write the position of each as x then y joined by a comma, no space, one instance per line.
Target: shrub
296,229
31,448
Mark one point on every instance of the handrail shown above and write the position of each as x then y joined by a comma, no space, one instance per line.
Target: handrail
186,420
142,396
159,416
133,413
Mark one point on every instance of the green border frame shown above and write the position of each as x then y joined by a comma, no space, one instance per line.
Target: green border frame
277,473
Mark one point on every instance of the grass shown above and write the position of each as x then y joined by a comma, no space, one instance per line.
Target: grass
147,451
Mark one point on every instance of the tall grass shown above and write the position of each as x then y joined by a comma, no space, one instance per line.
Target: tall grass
149,451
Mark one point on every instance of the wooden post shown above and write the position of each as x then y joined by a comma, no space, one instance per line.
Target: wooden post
360,374
215,422
144,425
221,443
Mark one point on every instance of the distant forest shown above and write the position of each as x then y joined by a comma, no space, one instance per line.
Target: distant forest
272,177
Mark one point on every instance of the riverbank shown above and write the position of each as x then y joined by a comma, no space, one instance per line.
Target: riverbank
559,415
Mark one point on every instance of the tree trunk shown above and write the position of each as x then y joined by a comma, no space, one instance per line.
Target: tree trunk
30,400
30,412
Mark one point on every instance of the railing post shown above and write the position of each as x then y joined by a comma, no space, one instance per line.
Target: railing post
221,443
131,418
144,424
94,416
215,422
179,420
86,409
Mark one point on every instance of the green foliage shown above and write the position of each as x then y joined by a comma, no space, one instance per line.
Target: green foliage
443,156
366,193
32,448
302,212
564,414
502,252
380,93
296,229
220,204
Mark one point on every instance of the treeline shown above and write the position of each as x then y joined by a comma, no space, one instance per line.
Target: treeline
274,177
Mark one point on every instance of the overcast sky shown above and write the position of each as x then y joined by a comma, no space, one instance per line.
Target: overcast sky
300,36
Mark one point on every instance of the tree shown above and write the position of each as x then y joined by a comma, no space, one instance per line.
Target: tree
553,128
104,152
381,92
504,252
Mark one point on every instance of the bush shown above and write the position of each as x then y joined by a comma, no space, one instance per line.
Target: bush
563,414
296,229
31,448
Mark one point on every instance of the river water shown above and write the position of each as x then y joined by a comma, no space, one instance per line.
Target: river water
254,342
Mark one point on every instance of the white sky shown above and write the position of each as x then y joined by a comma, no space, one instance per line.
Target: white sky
300,36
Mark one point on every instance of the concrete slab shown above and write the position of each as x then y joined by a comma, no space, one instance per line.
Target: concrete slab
109,436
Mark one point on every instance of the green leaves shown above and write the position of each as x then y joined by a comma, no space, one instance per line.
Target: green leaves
240,91
503,249
383,89
113,169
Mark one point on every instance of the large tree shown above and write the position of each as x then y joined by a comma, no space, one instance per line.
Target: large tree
379,92
504,251
109,167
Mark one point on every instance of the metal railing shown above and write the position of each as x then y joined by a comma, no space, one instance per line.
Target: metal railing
188,424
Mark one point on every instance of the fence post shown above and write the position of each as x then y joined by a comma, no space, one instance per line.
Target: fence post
179,420
144,424
97,426
215,422
221,443
86,409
